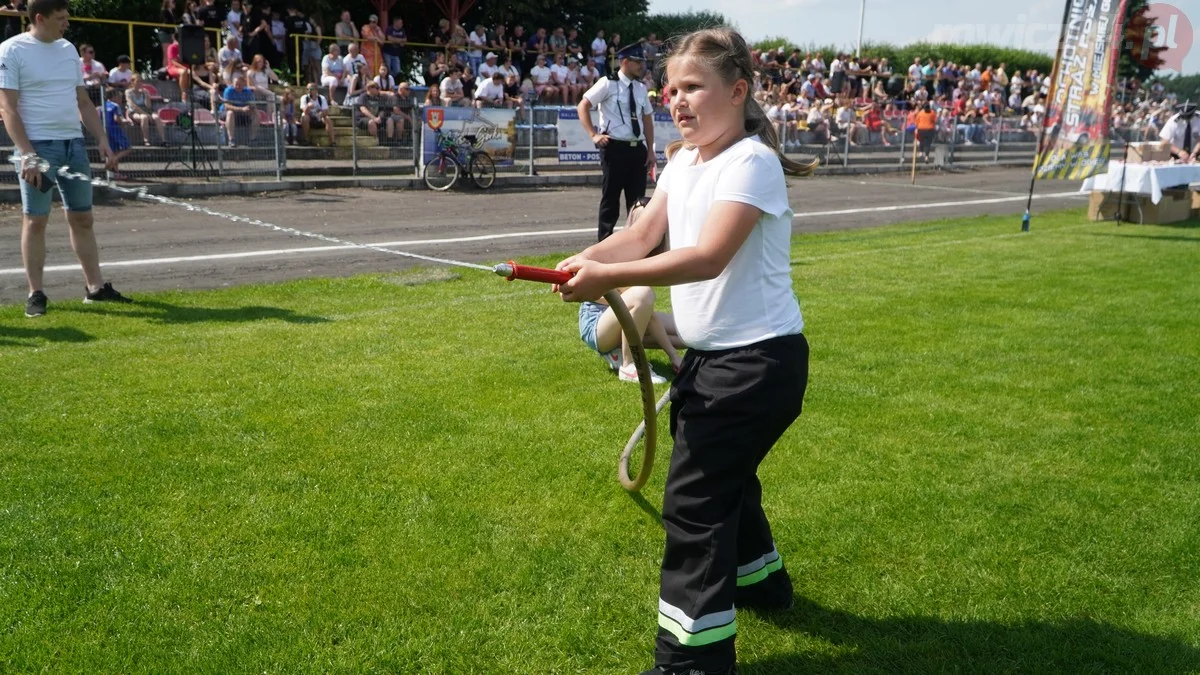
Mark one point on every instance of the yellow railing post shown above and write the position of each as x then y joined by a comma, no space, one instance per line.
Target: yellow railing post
299,78
132,57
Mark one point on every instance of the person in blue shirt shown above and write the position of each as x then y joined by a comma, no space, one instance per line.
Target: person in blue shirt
238,109
114,119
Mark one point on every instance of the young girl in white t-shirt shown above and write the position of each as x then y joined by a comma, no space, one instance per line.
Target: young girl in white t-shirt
723,201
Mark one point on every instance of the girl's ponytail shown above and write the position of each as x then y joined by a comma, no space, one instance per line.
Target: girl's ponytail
757,124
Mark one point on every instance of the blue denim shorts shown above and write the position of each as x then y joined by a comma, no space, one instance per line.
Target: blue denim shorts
76,193
589,316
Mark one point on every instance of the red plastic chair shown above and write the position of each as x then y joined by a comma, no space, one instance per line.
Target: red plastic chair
168,115
265,119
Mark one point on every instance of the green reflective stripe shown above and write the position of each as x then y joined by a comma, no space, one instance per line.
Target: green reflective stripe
755,577
704,637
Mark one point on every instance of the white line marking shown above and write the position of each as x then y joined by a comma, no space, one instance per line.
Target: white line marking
283,252
935,205
938,187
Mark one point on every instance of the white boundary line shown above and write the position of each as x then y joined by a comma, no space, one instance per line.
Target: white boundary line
308,250
946,188
938,205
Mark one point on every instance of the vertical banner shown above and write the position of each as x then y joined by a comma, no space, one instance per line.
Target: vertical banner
494,129
1075,142
575,146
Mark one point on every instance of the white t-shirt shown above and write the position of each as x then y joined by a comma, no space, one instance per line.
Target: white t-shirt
320,104
354,64
228,54
48,77
490,91
93,69
333,64
485,71
120,77
1036,114
599,50
258,79
752,299
477,41
559,73
450,86
540,74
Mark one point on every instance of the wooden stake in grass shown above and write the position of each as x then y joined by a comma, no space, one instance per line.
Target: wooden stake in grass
916,143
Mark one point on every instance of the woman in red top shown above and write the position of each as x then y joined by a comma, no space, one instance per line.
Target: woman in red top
875,124
177,69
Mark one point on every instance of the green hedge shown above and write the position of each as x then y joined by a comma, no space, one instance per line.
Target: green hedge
1015,59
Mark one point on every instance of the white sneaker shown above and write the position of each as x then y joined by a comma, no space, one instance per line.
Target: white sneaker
630,374
613,359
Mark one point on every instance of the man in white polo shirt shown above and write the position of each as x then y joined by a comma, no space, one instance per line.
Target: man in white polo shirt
625,138
43,99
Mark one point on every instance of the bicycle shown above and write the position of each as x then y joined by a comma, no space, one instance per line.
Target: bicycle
453,157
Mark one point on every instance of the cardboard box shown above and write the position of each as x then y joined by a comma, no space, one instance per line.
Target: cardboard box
1175,207
1157,151
1103,205
1196,201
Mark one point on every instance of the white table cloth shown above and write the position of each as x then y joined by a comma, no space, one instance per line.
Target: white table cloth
1143,179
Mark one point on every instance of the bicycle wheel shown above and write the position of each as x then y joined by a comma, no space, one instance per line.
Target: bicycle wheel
441,173
483,170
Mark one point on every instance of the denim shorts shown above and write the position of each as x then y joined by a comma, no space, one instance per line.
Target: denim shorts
76,193
589,316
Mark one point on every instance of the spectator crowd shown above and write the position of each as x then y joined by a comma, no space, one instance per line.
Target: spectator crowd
366,69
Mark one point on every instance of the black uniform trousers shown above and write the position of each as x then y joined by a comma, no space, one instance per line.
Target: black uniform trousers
624,167
728,408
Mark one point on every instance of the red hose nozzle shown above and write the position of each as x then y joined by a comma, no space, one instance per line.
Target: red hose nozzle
511,270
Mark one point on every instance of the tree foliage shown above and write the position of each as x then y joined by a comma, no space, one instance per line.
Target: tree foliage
900,56
1183,86
666,26
1139,58
586,15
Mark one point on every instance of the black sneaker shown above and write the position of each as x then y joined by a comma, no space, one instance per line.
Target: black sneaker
773,594
36,304
106,294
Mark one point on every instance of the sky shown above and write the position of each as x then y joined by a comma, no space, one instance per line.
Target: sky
1031,24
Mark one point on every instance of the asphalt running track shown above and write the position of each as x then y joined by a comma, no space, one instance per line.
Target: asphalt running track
146,246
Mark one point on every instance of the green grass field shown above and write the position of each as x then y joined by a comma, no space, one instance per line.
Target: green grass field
997,470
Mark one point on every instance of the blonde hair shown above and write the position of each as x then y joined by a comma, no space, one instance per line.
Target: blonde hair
725,52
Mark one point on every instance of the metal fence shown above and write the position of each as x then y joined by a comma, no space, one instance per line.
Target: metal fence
158,137
189,141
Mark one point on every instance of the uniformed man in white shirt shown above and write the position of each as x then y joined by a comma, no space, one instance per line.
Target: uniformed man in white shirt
625,137
1182,132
